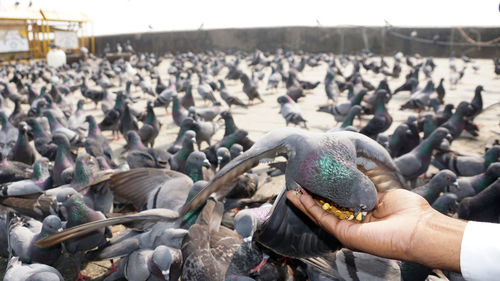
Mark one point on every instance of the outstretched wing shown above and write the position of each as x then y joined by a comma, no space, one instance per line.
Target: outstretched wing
268,146
374,161
80,230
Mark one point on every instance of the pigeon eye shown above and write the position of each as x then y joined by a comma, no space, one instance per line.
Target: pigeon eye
197,158
447,178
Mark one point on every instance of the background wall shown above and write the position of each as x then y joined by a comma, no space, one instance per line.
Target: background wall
349,40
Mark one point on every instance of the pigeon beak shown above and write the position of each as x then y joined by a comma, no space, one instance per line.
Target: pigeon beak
445,145
206,163
453,185
408,132
219,159
60,229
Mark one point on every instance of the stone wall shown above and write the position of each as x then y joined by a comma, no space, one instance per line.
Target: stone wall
349,40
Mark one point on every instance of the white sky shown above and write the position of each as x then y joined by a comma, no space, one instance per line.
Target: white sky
127,16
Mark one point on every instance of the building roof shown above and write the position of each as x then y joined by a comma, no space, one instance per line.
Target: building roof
27,13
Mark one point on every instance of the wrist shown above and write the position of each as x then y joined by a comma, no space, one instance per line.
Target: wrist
436,241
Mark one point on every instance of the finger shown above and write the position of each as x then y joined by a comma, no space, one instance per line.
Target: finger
322,218
294,197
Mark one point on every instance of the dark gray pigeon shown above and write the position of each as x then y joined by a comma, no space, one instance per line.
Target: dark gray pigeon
442,181
416,162
466,165
41,181
482,206
310,156
139,156
11,171
470,186
22,150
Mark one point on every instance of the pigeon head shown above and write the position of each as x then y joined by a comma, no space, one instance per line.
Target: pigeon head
225,114
445,179
51,224
493,154
83,169
479,89
133,138
235,150
438,136
357,110
162,258
283,100
223,156
198,159
61,139
494,169
80,104
190,136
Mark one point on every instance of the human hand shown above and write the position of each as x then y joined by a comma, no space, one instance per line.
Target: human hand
402,226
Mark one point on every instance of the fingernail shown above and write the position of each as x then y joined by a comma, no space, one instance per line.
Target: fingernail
303,191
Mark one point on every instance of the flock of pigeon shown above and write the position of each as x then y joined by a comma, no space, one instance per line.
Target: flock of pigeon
190,210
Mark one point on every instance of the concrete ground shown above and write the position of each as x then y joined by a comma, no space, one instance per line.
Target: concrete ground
264,117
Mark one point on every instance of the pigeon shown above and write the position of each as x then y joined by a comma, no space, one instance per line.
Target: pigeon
42,140
127,122
308,151
164,97
409,85
205,132
151,127
8,134
57,128
214,252
416,162
22,241
477,102
63,165
331,87
17,271
187,100
22,150
397,140
230,128
139,156
456,123
223,156
205,91
291,111
12,171
96,144
441,118
442,181
228,98
76,121
178,160
250,88
466,165
162,263
77,212
482,206
187,124
205,114
381,120
341,110
274,79
470,186
420,99
179,113
440,90
40,181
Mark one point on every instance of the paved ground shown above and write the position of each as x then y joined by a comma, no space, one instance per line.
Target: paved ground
261,118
